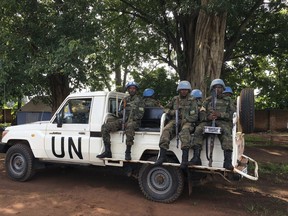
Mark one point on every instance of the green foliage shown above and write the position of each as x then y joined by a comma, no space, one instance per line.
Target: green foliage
43,38
260,57
100,44
163,83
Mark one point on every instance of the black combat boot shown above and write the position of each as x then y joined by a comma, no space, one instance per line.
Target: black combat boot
184,162
196,160
107,153
162,157
128,152
228,160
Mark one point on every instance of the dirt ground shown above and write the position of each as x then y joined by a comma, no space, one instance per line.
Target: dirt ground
89,191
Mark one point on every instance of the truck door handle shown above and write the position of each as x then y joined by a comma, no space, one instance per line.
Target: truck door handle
55,133
82,133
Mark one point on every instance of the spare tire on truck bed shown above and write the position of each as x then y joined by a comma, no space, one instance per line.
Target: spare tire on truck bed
247,110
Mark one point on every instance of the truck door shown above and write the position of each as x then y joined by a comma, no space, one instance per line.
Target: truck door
69,141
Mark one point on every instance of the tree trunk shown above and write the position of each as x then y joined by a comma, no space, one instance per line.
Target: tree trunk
209,50
59,85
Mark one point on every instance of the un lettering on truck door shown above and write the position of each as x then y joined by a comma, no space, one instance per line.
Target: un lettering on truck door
70,140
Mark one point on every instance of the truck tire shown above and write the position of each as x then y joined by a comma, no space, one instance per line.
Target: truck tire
19,163
161,183
247,110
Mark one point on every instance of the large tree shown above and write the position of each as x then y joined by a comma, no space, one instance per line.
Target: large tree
55,47
48,42
260,58
190,34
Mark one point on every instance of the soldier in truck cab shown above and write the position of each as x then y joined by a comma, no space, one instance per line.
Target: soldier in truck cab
222,112
133,107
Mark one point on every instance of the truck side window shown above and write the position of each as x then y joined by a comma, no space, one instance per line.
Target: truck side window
76,111
113,106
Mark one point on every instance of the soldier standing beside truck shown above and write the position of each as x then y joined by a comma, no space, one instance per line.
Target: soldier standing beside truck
222,114
132,112
186,107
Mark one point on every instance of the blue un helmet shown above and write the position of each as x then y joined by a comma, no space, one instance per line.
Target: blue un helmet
184,85
129,84
196,93
148,92
228,90
217,82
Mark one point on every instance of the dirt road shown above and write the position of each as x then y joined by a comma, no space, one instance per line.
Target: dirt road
89,191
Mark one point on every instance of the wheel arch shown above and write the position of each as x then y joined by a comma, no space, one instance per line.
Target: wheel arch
10,143
150,153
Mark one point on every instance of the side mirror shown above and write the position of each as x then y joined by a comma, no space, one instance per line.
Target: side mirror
59,120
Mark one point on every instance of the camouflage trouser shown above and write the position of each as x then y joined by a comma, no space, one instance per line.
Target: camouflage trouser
225,138
169,132
115,125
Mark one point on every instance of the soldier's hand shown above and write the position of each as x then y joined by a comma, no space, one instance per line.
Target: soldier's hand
210,117
216,114
171,112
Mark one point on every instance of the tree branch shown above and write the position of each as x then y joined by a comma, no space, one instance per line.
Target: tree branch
235,38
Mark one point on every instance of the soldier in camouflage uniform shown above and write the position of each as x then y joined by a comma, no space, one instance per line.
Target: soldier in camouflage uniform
228,91
134,113
223,115
197,94
149,100
188,114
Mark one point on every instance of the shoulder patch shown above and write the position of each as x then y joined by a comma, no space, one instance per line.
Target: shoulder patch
202,109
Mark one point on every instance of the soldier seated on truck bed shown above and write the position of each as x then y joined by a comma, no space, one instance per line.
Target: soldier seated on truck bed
133,107
222,113
149,98
183,110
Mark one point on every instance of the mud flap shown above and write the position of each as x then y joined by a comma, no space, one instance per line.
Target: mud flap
195,178
190,182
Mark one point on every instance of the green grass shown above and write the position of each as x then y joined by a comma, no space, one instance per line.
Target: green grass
250,138
262,210
275,172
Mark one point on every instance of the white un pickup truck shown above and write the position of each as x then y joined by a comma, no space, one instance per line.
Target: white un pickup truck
73,136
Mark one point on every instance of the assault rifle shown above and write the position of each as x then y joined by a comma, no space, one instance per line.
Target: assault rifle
177,122
123,119
214,101
213,130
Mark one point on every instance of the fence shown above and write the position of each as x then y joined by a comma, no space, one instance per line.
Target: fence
271,120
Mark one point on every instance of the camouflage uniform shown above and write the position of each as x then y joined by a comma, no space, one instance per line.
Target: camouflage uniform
226,107
134,114
199,103
151,102
188,114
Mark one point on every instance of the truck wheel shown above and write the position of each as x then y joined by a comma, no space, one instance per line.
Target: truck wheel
247,110
161,183
19,162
